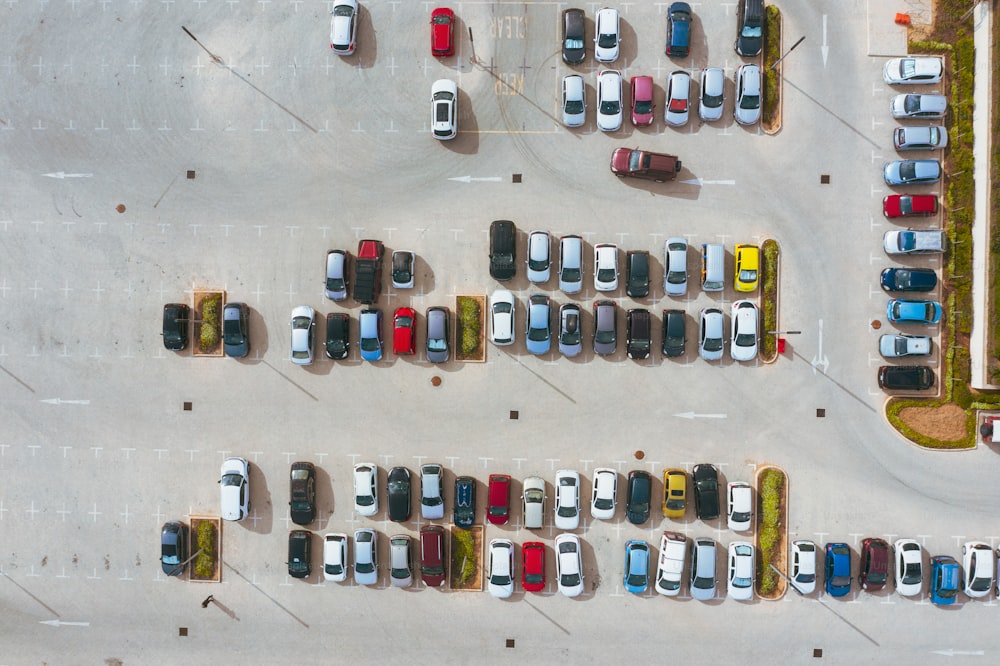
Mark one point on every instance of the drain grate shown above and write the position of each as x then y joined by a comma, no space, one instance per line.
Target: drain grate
824,179
514,414
183,631
820,413
517,178
190,174
510,642
187,406
818,653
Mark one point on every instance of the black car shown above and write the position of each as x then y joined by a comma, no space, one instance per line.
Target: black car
750,30
908,279
573,51
338,335
637,272
175,326
905,377
236,329
679,30
399,494
638,333
706,491
674,336
173,548
637,497
503,250
299,553
302,487
465,501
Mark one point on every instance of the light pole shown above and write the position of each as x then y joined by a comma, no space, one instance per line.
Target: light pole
775,63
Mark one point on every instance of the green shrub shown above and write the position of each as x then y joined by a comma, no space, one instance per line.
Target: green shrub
204,564
468,324
463,554
772,483
210,322
772,52
769,296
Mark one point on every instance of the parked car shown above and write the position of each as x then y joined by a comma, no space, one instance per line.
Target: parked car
922,137
803,573
236,329
674,335
913,69
438,349
574,101
365,556
442,32
747,261
706,491
900,310
335,557
642,101
465,502
675,277
918,106
710,340
503,250
739,505
235,488
609,100
302,491
897,345
678,30
909,568
636,566
299,553
749,23
911,172
370,327
498,497
605,327
905,377
336,274
944,580
502,317
747,110
607,35
403,269
909,205
874,564
908,279
638,495
175,326
570,264
712,89
173,547
538,257
741,571
978,565
569,565
303,326
533,502
398,494
400,561
433,564
404,332
538,336
702,584
567,504
670,568
365,492
838,569
637,273
914,241
743,345
444,109
344,26
570,333
500,579
674,492
533,566
573,50
605,493
675,111
638,333
431,491
338,335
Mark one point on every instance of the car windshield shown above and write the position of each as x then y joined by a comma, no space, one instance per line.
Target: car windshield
404,322
169,554
745,339
877,578
610,107
573,44
711,101
607,40
343,10
911,103
907,170
605,337
533,496
437,344
571,275
441,20
605,274
538,334
574,106
676,277
335,284
534,578
604,503
334,569
301,323
713,344
644,106
805,578
748,275
362,566
751,31
232,480
401,274
231,333
502,308
750,102
907,67
369,344
911,573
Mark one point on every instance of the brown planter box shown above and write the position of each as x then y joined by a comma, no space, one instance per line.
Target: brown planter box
200,299
475,581
217,568
479,355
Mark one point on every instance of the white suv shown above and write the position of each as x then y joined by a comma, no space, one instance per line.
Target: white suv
235,491
365,494
567,504
602,504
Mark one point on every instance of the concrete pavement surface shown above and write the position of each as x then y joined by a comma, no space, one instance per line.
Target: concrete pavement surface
151,149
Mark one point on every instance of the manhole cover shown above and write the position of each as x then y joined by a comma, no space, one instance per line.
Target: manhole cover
639,455
120,208
435,381
876,324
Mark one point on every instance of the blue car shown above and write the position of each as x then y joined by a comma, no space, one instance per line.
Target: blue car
944,580
838,569
539,333
911,172
901,310
370,323
636,566
678,29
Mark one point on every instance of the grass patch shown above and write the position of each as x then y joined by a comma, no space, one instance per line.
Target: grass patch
772,493
468,325
771,252
463,554
204,564
209,337
772,52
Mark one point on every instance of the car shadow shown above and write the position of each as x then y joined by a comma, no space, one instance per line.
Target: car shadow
261,518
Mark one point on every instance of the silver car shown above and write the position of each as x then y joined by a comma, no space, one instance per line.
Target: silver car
675,278
437,334
303,326
538,257
570,264
336,275
918,106
702,584
605,327
400,561
747,111
574,101
366,556
567,504
928,137
713,84
431,492
570,330
710,332
675,111
605,267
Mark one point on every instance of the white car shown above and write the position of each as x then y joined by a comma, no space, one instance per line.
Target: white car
336,275
539,259
574,101
570,264
909,568
533,502
713,85
366,556
920,137
675,276
977,567
400,561
670,568
747,111
303,326
605,267
602,503
743,344
897,345
343,26
431,497
741,571
365,494
235,488
675,111
502,317
335,557
444,109
739,505
569,565
912,70
609,100
918,106
710,336
403,269
567,504
607,35
501,572
803,566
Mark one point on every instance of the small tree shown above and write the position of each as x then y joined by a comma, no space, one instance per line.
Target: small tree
210,322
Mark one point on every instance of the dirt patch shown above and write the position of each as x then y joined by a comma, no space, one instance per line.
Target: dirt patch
945,423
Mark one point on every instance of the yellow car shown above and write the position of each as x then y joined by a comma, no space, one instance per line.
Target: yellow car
674,492
747,267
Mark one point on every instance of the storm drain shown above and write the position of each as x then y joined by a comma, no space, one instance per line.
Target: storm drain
183,631
824,179
187,406
514,414
510,642
517,178
818,653
191,174
820,413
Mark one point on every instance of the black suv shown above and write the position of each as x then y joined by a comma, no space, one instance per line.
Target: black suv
299,553
338,336
399,494
706,491
175,326
637,270
638,330
905,377
637,497
302,490
503,250
750,21
465,501
674,337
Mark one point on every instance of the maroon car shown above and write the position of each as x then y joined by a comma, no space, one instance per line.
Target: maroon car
498,509
909,205
442,32
874,564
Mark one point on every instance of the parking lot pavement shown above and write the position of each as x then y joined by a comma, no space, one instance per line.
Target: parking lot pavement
144,162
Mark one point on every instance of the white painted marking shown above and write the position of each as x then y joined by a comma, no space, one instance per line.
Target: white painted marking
824,49
62,174
471,179
820,359
63,623
701,181
694,415
60,401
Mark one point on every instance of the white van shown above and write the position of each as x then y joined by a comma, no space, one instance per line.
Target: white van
713,267
533,502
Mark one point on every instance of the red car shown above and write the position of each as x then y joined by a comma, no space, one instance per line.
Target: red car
442,32
642,101
533,571
909,205
498,509
404,331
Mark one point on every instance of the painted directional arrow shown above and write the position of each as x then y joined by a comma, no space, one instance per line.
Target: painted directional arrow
701,181
60,401
825,50
693,415
61,623
820,358
470,179
952,653
62,174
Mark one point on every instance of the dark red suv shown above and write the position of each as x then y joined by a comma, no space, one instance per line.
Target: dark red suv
874,564
498,510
